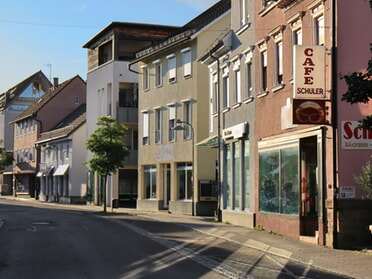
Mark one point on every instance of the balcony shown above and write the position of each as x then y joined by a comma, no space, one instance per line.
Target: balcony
127,115
132,158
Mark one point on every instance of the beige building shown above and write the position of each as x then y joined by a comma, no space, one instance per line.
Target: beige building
175,172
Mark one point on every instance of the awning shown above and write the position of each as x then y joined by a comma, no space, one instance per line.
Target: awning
49,171
40,174
61,170
211,142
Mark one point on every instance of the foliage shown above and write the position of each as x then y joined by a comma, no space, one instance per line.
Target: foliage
106,144
6,158
364,179
360,89
108,148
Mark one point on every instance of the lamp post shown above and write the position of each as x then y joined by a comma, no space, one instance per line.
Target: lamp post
179,127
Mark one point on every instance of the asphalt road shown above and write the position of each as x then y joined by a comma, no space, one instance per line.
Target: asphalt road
39,240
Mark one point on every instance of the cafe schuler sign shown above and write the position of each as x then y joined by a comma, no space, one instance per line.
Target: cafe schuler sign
309,72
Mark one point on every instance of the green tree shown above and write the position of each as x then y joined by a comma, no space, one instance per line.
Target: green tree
364,179
6,158
360,88
108,148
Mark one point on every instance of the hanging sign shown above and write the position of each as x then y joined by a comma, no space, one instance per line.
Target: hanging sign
309,111
309,72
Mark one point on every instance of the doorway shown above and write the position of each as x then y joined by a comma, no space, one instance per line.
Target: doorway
166,184
309,186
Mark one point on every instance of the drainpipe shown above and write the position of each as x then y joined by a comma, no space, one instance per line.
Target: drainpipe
131,70
334,116
219,185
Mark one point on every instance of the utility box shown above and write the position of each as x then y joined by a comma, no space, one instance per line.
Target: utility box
207,190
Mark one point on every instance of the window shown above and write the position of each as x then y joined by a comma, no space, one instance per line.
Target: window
215,93
150,182
105,53
248,74
225,85
128,95
319,30
297,37
278,181
145,128
237,173
228,174
279,62
237,82
171,122
158,73
187,117
186,56
246,176
243,12
171,68
158,126
184,178
264,70
146,78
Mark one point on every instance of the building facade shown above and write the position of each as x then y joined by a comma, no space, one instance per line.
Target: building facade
43,115
175,172
12,103
62,174
301,135
112,90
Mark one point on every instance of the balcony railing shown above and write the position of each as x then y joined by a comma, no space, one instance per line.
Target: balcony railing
127,115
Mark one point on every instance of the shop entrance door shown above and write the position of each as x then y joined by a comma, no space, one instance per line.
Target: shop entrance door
166,184
309,186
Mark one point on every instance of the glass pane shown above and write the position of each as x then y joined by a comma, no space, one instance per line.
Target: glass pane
237,175
269,181
228,180
289,181
246,179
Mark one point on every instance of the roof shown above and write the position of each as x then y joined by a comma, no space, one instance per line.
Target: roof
43,100
12,93
185,32
67,126
135,30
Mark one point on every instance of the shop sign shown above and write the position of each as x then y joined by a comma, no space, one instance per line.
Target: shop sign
355,137
235,132
309,72
309,111
347,192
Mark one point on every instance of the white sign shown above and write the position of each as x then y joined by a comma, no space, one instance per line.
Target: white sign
309,72
235,132
354,137
347,192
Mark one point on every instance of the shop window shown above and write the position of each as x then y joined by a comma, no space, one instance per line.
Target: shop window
246,176
278,181
237,174
228,176
150,182
184,178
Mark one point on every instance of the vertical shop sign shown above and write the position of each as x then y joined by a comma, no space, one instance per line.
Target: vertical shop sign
309,72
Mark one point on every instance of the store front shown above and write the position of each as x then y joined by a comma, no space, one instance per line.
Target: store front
290,200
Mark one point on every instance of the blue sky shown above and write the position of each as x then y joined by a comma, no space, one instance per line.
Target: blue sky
35,34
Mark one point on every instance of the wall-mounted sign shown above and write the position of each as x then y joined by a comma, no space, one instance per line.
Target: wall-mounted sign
347,192
309,72
235,132
309,111
354,137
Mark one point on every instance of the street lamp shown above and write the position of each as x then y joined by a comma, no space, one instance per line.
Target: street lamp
180,127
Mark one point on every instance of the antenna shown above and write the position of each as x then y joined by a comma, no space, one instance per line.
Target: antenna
50,70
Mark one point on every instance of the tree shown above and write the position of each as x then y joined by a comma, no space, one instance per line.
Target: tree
364,179
108,148
360,88
6,158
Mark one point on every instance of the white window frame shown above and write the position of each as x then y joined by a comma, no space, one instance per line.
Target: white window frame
172,122
145,127
248,74
158,124
237,82
243,12
146,77
187,117
172,68
187,59
158,73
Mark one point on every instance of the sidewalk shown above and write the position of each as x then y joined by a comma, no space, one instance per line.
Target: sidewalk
354,264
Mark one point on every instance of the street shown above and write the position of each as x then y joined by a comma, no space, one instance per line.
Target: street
38,240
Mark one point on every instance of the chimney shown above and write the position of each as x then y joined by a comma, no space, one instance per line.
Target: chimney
55,82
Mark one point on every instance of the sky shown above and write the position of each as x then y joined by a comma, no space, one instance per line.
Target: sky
48,35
